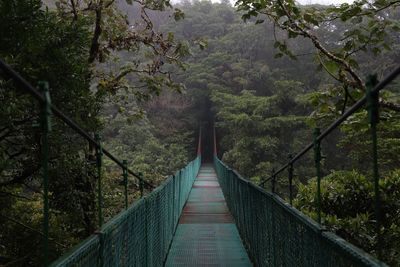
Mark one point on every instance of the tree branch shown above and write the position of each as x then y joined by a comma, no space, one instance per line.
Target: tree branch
20,178
389,105
31,229
15,195
74,10
370,11
94,48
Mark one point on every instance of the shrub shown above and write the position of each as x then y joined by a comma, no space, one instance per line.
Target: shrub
347,208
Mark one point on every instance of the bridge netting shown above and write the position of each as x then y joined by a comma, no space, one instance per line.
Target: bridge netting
274,233
140,235
277,234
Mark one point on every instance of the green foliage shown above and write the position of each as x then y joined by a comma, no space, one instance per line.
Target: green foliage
347,205
145,153
113,81
342,36
33,56
129,51
357,142
258,131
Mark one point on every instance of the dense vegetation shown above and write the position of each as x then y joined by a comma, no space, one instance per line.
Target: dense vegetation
145,81
102,94
266,105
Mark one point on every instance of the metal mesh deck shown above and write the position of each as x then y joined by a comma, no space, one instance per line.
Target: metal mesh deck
206,234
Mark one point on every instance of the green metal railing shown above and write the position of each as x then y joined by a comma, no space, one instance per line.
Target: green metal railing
276,234
47,111
174,192
371,99
140,235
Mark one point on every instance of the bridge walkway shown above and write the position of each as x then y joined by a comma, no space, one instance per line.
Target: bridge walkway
206,234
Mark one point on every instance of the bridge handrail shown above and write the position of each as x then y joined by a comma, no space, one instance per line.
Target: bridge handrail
336,123
49,109
140,235
277,234
25,85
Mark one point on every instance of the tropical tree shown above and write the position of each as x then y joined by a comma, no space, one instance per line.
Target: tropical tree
339,34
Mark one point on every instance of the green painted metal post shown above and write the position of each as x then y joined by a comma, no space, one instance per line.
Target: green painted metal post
125,174
373,115
141,185
173,202
99,161
290,174
273,181
317,159
46,128
179,191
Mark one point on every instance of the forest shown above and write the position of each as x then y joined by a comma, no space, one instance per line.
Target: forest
146,75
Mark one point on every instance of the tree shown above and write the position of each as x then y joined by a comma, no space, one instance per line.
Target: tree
347,205
258,133
368,29
33,56
72,46
129,55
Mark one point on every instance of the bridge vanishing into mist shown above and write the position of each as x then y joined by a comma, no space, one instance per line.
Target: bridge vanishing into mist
206,214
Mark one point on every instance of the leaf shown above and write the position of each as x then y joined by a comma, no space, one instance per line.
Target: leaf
376,50
353,63
387,47
178,14
202,44
310,18
348,46
292,34
245,17
170,37
351,12
331,66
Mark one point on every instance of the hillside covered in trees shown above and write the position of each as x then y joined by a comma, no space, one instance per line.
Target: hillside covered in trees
147,76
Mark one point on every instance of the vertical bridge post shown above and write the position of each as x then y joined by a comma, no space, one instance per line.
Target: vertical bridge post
199,143
125,176
273,181
141,185
290,174
215,143
373,116
317,159
46,128
99,160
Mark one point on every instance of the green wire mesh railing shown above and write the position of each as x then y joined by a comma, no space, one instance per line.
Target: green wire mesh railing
140,235
372,102
277,234
48,110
